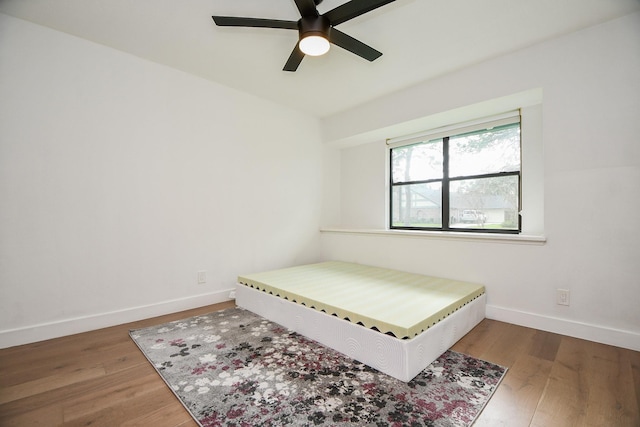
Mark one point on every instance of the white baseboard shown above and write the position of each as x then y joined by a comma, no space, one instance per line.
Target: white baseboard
586,331
45,331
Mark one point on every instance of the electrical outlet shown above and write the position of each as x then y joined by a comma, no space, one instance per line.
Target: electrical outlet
202,277
562,296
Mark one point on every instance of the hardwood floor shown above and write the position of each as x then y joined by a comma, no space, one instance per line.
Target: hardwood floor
554,380
100,378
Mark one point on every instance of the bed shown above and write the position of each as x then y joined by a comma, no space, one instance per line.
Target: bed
396,322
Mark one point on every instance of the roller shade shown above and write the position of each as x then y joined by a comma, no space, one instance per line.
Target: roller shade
507,118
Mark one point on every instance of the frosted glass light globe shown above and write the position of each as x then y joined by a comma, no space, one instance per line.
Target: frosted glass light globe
314,45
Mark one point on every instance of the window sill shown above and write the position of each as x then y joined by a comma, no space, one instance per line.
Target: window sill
446,235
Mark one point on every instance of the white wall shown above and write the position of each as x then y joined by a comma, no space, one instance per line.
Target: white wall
590,179
121,178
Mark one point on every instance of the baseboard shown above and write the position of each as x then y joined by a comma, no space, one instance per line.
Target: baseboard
586,331
45,331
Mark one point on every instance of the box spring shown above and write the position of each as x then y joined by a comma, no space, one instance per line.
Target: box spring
399,358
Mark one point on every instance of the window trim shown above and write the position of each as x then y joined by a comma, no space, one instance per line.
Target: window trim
445,133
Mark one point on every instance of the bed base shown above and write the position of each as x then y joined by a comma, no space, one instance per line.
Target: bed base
401,359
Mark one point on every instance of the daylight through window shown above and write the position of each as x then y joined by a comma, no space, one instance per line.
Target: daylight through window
465,178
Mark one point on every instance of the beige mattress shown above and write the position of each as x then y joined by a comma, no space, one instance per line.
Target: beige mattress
393,302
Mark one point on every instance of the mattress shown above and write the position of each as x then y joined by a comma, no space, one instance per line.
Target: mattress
393,302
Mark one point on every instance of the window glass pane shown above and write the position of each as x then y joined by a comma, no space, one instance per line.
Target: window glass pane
488,203
418,162
417,205
488,151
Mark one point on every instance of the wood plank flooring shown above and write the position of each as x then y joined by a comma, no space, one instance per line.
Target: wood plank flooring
100,378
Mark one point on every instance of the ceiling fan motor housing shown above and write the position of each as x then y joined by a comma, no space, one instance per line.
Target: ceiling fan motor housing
314,26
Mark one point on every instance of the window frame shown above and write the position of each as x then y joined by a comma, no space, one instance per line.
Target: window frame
445,133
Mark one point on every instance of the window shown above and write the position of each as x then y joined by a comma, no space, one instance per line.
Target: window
463,178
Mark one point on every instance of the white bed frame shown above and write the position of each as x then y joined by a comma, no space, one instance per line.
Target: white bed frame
402,359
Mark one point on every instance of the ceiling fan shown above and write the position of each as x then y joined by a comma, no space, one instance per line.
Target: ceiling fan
315,31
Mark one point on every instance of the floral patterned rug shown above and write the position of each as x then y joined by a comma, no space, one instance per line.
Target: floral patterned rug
235,368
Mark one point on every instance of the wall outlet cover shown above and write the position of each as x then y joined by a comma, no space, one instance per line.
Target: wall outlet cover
562,296
202,277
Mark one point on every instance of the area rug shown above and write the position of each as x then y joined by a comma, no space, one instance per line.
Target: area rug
234,368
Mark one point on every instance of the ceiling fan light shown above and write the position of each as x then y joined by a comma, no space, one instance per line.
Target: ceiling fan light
314,45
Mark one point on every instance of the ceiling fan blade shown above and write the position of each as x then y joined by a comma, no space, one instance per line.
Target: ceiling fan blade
353,9
352,45
294,59
232,21
307,8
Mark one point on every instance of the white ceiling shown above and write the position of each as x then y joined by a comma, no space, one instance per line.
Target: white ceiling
420,40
